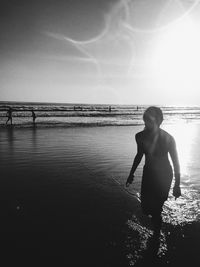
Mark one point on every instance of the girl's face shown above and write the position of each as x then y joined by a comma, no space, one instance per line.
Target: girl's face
150,123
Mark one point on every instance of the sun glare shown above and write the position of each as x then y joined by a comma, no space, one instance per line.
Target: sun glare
185,136
176,59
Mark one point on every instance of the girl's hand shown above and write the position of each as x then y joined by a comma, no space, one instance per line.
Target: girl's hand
129,180
176,191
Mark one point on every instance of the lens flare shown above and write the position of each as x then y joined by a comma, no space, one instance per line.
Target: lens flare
114,51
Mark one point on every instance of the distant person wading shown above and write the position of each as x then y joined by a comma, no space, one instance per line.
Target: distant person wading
33,116
155,144
9,115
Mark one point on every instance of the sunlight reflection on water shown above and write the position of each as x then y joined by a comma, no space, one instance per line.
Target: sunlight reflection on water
185,136
186,208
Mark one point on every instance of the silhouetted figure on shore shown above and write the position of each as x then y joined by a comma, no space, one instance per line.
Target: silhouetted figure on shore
9,115
155,144
78,108
110,108
33,116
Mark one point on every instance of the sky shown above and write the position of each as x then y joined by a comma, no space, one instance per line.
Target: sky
100,52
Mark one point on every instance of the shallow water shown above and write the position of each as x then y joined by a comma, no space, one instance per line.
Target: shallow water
98,150
42,168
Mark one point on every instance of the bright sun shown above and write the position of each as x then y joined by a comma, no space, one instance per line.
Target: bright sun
176,60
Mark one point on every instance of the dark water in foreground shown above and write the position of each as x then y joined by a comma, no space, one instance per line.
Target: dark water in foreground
64,203
58,204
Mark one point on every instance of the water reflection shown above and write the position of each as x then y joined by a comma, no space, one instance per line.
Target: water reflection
34,135
184,210
10,138
187,207
142,246
185,136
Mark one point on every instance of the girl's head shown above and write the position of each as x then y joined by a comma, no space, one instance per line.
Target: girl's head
153,118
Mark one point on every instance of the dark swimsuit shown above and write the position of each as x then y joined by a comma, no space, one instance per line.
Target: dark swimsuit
157,171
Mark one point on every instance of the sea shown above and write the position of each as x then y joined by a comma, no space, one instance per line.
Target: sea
55,114
63,183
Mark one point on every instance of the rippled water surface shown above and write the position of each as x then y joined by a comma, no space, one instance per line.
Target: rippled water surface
93,161
106,151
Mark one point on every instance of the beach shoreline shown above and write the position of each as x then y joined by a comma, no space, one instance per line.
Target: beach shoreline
81,115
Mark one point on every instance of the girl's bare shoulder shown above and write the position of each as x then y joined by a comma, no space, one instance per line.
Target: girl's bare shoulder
167,136
140,135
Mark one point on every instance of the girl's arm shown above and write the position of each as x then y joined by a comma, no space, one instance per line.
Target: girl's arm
136,162
174,156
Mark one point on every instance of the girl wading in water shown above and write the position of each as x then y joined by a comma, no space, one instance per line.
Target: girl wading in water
155,144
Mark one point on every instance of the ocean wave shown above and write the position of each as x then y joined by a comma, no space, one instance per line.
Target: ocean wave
71,115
